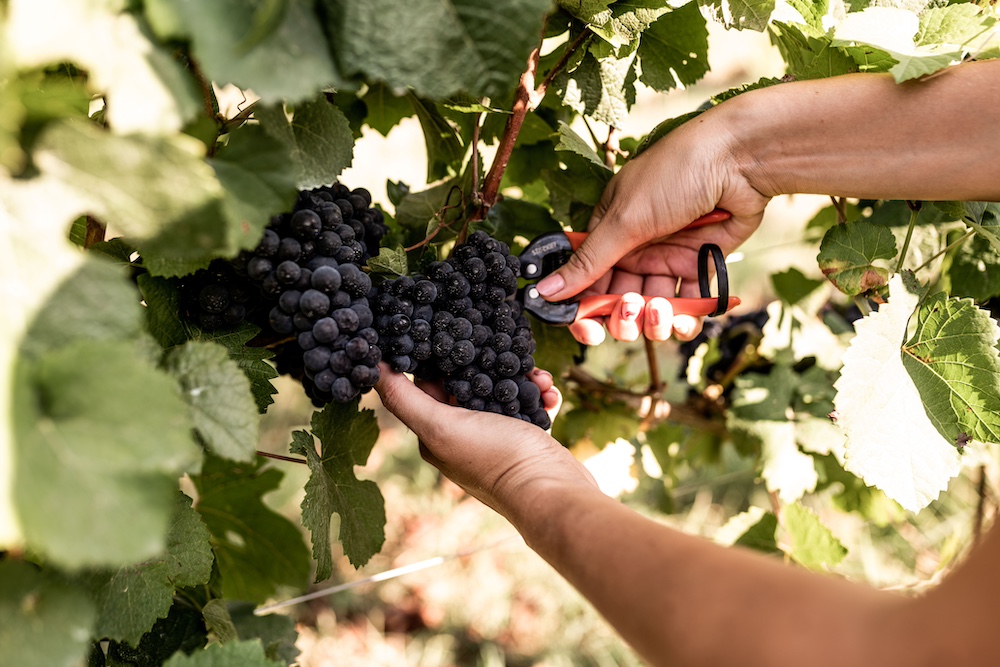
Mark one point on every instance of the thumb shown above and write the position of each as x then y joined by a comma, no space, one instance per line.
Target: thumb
600,251
411,404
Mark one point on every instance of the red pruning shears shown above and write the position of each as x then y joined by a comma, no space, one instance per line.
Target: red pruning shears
548,252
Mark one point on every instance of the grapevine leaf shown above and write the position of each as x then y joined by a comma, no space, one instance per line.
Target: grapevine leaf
251,360
573,142
275,631
258,175
600,426
317,136
853,495
183,629
958,25
418,208
346,439
146,88
891,441
223,409
556,349
390,262
811,12
629,20
156,190
435,48
603,85
46,621
290,62
96,303
131,599
812,543
218,621
245,654
527,164
792,286
809,56
512,217
113,460
741,14
975,270
675,49
760,536
848,252
588,11
256,549
953,361
385,109
575,190
441,140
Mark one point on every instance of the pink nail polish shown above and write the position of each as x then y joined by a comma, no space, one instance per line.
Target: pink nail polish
550,285
653,315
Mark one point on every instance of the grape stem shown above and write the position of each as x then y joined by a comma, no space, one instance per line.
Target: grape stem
440,215
914,212
279,457
840,206
951,246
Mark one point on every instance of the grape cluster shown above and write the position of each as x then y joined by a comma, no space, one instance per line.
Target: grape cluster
217,297
308,267
459,324
732,334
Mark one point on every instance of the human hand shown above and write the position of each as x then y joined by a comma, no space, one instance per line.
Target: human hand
504,462
638,244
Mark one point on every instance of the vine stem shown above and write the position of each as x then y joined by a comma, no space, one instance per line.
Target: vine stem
951,246
95,231
558,67
840,205
977,527
279,457
914,212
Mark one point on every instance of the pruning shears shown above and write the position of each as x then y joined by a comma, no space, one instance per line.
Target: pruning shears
548,252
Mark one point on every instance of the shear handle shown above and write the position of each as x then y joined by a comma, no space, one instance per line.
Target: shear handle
602,304
717,215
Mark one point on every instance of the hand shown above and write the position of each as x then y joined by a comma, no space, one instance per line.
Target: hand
636,245
502,461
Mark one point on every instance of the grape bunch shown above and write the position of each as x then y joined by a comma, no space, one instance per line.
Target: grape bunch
308,267
732,335
459,324
217,297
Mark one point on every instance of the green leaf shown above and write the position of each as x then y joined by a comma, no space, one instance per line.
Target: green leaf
848,252
290,62
599,425
809,56
675,49
437,49
385,109
575,190
629,19
812,544
183,629
223,410
233,654
441,140
218,621
417,209
131,599
792,286
251,360
96,303
574,143
812,12
512,217
152,94
317,136
891,441
83,425
46,621
588,11
390,262
741,14
155,190
954,363
602,86
760,536
256,549
346,439
275,631
258,175
975,270
958,24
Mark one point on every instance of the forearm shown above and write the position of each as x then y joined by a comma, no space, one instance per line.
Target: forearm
682,600
865,136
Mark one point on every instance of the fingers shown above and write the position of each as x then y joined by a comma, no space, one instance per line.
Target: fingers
588,331
600,251
658,319
625,321
411,404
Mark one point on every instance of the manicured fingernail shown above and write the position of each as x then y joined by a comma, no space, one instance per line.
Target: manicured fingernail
630,311
550,285
683,328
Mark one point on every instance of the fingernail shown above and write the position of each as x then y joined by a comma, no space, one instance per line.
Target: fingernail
550,285
653,315
683,328
630,311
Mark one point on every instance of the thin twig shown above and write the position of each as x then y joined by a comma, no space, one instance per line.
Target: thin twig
279,457
914,212
655,382
440,215
560,64
840,205
240,118
977,527
951,246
